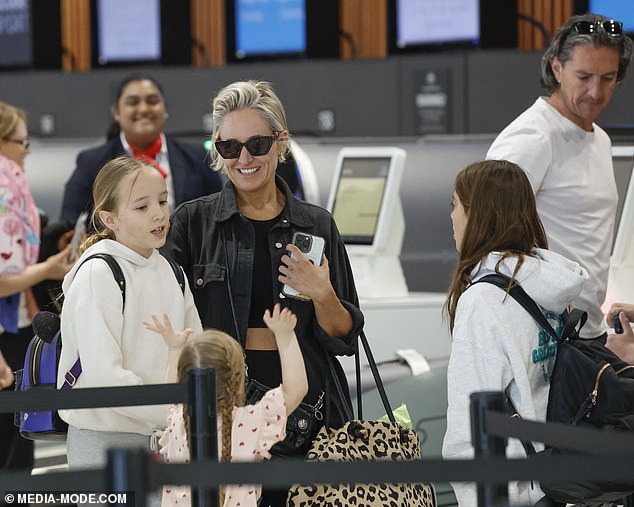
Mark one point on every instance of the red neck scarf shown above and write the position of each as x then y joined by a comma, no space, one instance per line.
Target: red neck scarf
149,155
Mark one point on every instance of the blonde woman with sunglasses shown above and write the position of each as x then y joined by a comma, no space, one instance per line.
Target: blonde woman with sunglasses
235,247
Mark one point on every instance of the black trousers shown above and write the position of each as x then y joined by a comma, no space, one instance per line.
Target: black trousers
15,452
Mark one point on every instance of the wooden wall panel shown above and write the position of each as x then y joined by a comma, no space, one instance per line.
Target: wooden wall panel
209,33
366,23
551,13
76,50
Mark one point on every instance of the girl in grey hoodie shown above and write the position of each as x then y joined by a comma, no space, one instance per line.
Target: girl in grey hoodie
496,343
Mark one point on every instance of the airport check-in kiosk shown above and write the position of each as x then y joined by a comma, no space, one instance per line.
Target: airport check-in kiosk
621,280
365,202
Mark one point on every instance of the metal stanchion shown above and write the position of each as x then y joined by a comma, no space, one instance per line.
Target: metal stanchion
127,472
485,445
203,432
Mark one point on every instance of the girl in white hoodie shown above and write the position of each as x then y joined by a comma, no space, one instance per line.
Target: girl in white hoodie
496,343
131,220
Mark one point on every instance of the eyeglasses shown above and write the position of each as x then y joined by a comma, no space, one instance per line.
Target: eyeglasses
256,146
24,142
611,27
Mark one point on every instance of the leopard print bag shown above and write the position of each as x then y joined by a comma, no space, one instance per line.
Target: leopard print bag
364,440
358,440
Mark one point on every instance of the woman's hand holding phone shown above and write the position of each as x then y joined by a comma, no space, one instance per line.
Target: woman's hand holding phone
304,271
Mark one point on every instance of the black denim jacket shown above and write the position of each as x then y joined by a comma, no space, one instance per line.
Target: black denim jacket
213,243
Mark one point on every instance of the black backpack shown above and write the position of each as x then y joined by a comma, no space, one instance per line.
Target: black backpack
42,360
589,386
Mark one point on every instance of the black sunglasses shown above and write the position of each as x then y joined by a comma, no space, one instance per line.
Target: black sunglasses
256,146
611,27
24,142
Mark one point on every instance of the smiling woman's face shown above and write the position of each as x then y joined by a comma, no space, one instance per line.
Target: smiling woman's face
141,113
249,173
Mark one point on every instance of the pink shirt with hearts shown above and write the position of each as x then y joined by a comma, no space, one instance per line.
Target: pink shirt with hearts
254,430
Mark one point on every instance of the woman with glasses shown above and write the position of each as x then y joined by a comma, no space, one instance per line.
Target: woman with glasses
235,247
567,156
19,268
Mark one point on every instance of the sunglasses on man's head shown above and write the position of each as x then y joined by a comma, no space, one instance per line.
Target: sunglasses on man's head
256,146
611,27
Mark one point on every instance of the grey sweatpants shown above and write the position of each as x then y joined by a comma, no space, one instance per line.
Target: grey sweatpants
88,449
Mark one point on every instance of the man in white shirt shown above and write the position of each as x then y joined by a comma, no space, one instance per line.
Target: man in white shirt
567,157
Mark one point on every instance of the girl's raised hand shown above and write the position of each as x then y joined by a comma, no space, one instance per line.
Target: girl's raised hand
282,322
172,339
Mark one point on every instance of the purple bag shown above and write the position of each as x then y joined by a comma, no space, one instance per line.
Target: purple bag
40,372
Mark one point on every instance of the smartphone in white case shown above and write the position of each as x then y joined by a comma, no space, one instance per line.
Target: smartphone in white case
313,248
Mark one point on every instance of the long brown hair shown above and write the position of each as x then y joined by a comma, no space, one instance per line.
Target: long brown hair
218,350
501,217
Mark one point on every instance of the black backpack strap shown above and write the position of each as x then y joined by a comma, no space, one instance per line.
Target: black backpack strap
178,272
519,295
71,376
114,267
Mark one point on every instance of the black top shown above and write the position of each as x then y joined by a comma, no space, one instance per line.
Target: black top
261,290
214,243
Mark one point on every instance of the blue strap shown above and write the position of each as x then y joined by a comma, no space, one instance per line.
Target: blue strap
9,312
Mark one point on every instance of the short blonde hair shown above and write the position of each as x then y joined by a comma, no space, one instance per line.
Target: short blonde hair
256,95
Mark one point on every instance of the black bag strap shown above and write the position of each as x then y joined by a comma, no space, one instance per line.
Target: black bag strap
75,371
118,273
375,374
518,294
114,267
178,272
223,240
573,320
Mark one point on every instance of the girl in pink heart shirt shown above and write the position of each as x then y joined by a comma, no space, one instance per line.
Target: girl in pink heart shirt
245,433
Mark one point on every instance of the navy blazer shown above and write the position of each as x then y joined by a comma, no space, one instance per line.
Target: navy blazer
189,164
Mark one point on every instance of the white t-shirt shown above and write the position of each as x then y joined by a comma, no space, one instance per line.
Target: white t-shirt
572,176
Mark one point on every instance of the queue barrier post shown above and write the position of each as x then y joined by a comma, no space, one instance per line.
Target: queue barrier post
203,432
127,472
485,445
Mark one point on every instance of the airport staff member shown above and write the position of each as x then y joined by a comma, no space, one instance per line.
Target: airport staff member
139,115
567,157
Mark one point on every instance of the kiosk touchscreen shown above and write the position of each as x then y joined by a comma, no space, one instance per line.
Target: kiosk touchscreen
621,281
365,203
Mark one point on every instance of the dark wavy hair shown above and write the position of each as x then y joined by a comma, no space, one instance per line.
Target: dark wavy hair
501,217
566,39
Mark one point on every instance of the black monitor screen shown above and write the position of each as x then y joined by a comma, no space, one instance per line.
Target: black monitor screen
128,31
15,33
267,28
359,197
424,22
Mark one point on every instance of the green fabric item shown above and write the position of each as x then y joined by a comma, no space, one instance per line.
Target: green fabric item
401,414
